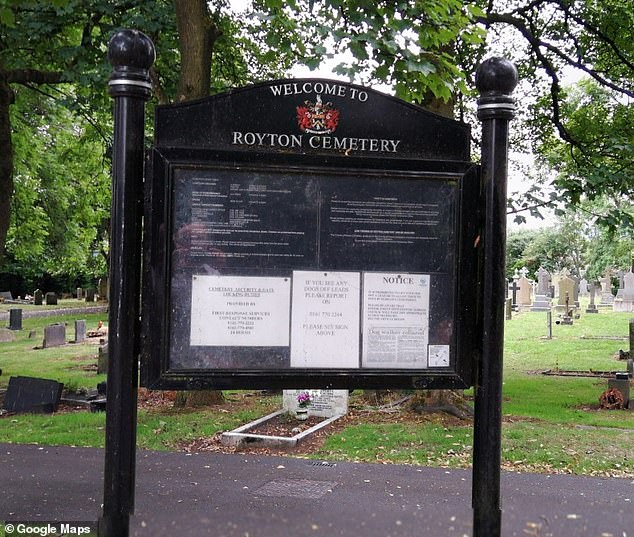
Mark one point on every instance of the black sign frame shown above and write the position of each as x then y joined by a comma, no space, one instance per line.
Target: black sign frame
156,372
132,54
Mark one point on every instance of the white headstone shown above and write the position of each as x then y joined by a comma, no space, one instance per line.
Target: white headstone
525,294
325,403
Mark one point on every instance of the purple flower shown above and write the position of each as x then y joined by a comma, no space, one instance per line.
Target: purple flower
304,399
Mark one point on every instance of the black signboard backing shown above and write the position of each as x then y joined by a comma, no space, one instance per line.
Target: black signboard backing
312,205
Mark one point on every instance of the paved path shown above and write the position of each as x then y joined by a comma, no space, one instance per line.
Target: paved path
240,495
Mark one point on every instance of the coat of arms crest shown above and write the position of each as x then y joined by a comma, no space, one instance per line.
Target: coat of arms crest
317,117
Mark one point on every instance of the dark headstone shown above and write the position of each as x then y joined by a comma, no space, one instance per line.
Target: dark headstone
51,299
80,331
623,385
54,335
90,294
102,360
514,288
6,295
28,394
37,297
15,319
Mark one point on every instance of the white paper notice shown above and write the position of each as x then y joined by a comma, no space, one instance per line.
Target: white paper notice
325,320
240,311
395,320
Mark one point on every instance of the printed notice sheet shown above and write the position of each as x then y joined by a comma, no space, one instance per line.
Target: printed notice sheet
240,311
395,320
325,319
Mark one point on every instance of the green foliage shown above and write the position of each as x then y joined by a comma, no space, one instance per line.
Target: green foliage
414,47
599,166
61,202
573,244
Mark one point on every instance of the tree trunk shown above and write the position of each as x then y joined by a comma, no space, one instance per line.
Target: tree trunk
197,34
6,161
198,398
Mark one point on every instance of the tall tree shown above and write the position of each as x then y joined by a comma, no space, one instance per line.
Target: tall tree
61,44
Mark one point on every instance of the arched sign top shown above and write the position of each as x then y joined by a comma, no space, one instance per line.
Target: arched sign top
312,116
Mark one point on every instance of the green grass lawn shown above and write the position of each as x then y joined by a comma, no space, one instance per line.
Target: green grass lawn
551,423
66,364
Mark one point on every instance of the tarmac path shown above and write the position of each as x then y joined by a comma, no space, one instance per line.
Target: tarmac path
238,495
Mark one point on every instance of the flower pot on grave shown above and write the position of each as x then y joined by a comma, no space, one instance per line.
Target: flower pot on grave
301,414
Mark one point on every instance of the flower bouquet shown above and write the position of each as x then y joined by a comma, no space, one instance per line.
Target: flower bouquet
303,402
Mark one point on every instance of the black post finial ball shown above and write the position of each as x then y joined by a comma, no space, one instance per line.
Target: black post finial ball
131,49
496,76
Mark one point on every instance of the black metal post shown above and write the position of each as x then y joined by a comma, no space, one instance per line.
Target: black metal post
496,79
131,54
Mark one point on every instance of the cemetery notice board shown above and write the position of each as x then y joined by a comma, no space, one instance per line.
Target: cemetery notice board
309,233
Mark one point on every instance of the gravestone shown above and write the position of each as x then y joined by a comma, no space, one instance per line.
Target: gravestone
525,294
80,293
6,336
623,385
325,403
54,335
37,297
513,289
583,287
620,275
5,295
15,319
28,394
51,299
607,298
631,338
542,298
625,302
102,360
592,308
566,318
90,294
543,281
509,309
567,291
80,331
554,282
575,295
103,289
